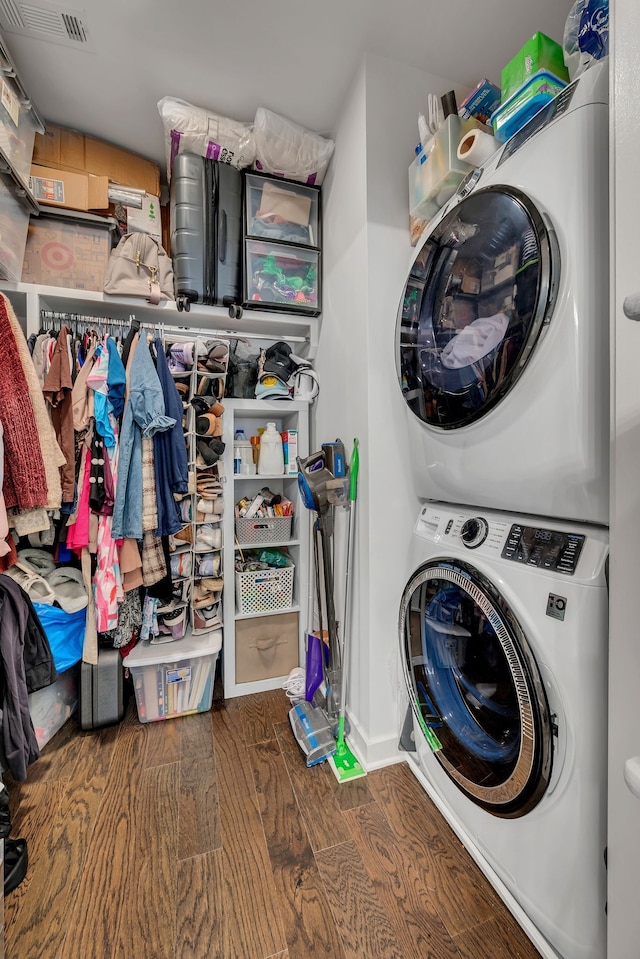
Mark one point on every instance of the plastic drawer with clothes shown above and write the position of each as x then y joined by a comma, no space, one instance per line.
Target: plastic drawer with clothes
281,210
281,277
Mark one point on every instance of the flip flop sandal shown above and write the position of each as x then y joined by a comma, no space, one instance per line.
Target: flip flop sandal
39,560
35,586
16,861
182,388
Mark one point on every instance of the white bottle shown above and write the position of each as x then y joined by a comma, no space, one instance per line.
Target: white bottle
271,456
242,454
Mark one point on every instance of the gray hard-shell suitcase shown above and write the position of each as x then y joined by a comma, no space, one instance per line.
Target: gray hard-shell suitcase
102,690
206,231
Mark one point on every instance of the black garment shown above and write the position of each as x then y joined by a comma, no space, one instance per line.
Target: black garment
26,664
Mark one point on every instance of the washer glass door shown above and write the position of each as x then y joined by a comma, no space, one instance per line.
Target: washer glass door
478,295
475,687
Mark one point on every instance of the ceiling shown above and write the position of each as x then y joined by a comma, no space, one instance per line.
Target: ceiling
295,58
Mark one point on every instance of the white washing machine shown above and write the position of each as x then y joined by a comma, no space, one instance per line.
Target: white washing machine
503,632
503,327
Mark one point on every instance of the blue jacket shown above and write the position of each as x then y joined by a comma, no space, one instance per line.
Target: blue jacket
144,414
170,452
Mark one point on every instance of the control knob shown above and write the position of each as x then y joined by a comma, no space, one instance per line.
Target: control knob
474,532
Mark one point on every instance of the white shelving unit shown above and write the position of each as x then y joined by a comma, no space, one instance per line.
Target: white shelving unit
29,299
249,415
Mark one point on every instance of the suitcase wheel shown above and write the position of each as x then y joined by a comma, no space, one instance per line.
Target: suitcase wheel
183,303
235,311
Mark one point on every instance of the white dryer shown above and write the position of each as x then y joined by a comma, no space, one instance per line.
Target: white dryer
503,327
503,633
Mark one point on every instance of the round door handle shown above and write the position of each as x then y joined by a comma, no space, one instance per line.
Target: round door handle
631,306
632,775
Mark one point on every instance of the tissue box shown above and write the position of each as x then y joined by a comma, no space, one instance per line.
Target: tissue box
539,53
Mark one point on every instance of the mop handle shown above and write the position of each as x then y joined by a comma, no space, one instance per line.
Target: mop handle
354,469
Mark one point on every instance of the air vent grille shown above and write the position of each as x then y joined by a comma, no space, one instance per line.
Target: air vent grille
41,20
75,29
11,13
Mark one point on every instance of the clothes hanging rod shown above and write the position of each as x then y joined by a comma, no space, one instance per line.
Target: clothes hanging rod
162,328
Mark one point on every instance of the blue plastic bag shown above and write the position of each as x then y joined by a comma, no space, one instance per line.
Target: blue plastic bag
586,35
65,632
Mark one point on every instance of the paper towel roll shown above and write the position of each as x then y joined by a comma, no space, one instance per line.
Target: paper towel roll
476,147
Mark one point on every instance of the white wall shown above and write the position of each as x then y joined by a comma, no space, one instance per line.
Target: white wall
366,253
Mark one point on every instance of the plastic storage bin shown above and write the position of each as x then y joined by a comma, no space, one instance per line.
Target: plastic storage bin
538,53
68,249
175,679
51,706
14,223
524,104
18,126
266,647
435,173
281,277
281,210
267,529
265,590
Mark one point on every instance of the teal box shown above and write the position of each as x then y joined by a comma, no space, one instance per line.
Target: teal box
539,53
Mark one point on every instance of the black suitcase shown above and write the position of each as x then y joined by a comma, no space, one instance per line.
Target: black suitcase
102,690
206,232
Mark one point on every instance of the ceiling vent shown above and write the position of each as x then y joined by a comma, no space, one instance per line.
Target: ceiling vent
46,21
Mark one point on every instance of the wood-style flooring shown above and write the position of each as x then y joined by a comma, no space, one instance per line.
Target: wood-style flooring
206,837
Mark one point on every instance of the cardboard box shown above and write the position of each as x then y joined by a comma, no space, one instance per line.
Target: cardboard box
75,152
68,254
72,191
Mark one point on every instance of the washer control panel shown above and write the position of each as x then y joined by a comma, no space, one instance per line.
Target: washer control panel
545,548
474,532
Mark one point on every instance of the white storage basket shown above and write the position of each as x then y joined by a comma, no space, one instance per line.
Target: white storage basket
264,529
265,589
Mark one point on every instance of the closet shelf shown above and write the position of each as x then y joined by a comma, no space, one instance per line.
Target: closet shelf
301,331
278,544
268,612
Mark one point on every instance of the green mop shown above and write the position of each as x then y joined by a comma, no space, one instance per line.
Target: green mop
344,764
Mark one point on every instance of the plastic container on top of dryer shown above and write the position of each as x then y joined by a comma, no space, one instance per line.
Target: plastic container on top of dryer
502,333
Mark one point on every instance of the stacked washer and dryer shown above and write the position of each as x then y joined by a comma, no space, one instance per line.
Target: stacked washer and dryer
502,358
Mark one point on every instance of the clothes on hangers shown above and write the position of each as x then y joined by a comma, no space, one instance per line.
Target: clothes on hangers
144,414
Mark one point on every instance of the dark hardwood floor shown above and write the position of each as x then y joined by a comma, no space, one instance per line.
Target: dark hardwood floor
206,837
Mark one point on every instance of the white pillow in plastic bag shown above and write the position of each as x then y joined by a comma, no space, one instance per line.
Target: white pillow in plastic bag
286,149
190,129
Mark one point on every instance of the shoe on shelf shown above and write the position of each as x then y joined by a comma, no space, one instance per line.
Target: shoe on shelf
207,537
206,618
208,564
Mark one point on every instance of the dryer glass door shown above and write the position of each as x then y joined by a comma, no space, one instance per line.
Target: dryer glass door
478,296
475,687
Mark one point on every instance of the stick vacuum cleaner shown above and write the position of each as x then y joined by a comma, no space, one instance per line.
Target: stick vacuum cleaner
313,726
